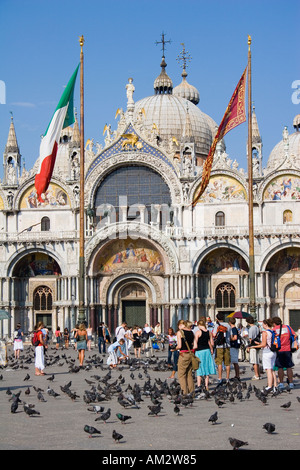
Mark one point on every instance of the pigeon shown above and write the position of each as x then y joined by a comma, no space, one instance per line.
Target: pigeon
105,416
30,411
51,392
269,427
27,377
123,418
286,405
219,403
14,406
27,392
51,378
116,436
236,443
298,398
96,409
91,430
41,397
154,410
213,418
176,410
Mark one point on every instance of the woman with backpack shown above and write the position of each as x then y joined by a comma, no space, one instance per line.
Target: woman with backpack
268,356
39,349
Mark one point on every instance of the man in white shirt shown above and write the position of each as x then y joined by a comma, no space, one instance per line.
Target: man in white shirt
121,334
146,332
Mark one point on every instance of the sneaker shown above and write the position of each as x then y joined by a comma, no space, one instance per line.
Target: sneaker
281,386
291,385
255,377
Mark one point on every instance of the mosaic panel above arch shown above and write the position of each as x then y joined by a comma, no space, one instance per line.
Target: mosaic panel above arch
223,260
36,264
223,188
128,254
285,260
283,188
55,196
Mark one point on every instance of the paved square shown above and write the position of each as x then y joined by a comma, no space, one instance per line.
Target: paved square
61,420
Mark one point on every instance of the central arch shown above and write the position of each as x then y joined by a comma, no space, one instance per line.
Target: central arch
130,297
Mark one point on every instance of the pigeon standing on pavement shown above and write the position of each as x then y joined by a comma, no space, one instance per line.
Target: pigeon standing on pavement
213,418
105,416
286,405
123,418
236,443
91,430
116,436
269,427
30,411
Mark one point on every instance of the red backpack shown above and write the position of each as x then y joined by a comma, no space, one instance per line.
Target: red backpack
35,339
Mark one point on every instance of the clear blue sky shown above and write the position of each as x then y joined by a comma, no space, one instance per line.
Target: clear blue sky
40,50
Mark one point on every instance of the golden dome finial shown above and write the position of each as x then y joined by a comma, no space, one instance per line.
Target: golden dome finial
81,41
249,41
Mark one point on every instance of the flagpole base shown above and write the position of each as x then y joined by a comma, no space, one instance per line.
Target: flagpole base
253,311
81,315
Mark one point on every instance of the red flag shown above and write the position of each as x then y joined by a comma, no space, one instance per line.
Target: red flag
234,115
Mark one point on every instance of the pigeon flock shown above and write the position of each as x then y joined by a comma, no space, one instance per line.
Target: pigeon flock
115,396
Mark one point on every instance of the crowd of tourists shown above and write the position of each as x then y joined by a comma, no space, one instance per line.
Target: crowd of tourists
218,347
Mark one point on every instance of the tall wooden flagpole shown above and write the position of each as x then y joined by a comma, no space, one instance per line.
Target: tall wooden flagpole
250,193
81,313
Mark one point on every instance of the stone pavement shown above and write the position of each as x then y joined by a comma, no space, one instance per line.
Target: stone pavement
60,425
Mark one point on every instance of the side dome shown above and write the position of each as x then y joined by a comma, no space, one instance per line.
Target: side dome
289,145
187,91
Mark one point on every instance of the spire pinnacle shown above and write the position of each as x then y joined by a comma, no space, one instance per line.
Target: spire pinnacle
12,144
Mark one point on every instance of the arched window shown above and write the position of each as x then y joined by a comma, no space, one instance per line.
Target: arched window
133,187
287,217
42,300
225,296
45,224
220,219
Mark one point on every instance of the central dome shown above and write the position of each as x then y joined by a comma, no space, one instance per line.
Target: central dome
169,113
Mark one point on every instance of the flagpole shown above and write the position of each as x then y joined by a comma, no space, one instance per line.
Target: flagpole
81,311
250,193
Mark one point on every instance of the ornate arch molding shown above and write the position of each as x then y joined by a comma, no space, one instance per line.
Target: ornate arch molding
272,250
117,281
15,258
200,256
135,230
271,176
219,172
97,175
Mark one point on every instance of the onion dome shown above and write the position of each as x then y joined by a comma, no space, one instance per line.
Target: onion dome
185,90
163,84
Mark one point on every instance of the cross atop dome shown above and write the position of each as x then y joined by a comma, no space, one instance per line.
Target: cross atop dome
184,57
163,42
163,84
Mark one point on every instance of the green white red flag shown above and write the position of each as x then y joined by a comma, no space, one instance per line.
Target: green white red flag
62,117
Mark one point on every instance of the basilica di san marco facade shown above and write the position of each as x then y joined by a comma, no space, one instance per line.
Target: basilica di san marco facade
149,254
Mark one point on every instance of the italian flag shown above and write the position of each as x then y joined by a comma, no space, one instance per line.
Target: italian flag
62,117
